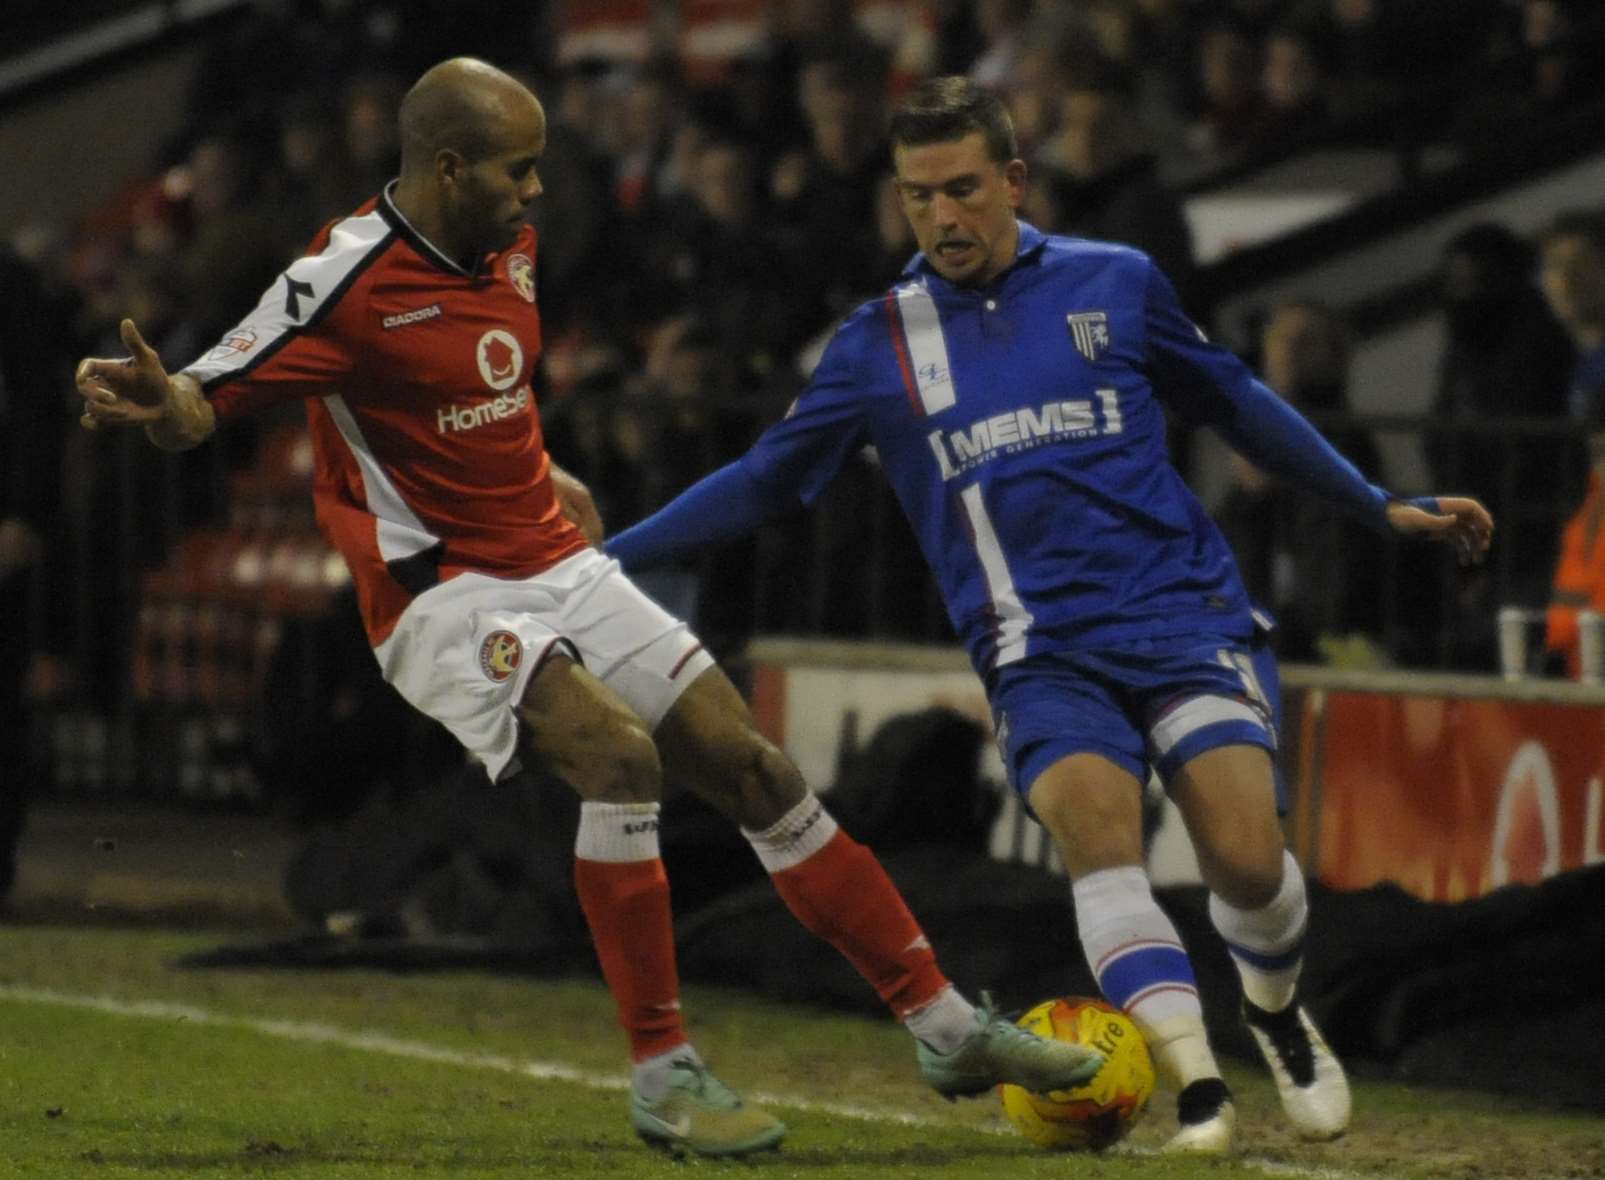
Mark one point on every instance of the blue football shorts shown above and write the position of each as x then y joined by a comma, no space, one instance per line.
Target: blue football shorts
1146,706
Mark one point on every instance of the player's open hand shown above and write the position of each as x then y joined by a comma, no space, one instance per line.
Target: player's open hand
130,390
1459,520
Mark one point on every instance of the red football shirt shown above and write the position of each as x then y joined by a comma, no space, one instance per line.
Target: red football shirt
416,375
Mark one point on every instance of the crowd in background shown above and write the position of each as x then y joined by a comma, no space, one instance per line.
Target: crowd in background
718,194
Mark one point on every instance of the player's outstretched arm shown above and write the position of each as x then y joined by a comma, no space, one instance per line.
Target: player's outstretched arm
729,503
137,390
1458,520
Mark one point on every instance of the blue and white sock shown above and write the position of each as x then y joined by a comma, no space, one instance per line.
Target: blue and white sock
1143,969
1267,944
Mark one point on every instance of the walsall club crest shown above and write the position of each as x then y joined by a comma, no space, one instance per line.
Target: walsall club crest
1090,331
521,273
500,655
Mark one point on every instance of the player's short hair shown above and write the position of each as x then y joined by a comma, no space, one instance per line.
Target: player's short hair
944,109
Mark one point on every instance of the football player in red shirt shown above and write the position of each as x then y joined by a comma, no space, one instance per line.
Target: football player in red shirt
411,331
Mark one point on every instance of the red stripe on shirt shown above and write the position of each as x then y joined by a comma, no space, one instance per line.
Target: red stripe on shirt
894,315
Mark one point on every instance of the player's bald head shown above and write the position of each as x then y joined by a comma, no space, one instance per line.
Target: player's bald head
467,106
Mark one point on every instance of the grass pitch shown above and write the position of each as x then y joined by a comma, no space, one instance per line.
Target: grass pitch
116,1063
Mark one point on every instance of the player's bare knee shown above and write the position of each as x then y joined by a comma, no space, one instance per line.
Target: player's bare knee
762,785
776,782
1244,879
623,769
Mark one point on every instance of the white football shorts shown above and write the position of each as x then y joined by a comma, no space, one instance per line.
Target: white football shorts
463,651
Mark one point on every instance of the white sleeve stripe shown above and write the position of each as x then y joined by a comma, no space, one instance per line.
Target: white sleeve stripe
308,290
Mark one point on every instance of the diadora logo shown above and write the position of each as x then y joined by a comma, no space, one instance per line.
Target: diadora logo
415,316
454,418
640,828
959,451
500,358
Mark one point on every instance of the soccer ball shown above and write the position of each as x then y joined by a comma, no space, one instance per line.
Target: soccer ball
1094,1115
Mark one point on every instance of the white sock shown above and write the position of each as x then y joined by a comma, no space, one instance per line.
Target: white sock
794,837
617,832
944,1023
1142,968
1267,944
650,1078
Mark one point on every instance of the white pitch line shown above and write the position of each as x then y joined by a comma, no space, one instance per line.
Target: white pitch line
551,1071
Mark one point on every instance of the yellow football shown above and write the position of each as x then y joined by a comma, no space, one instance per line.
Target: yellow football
1099,1113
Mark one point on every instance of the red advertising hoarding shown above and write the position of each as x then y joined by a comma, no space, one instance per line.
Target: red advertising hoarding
1448,798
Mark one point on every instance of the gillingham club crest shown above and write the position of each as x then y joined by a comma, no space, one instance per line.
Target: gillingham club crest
499,655
1090,331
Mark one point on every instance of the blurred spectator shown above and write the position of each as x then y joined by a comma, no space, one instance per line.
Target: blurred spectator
270,50
1108,183
906,31
824,193
1561,73
1231,104
572,217
303,186
1561,69
1151,40
1505,356
1255,17
1377,49
1295,79
237,243
672,426
894,249
369,137
711,36
669,426
617,33
1004,27
1572,274
1579,581
1033,94
193,248
1316,568
33,422
643,107
714,255
894,239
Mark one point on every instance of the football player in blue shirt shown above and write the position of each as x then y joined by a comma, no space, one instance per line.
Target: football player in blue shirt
1013,384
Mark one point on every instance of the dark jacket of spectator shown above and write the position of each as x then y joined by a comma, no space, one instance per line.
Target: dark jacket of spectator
1505,356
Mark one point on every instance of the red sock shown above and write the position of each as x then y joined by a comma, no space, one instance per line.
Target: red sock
626,904
840,892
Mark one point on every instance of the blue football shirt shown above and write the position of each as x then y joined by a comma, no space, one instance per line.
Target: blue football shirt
1021,426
